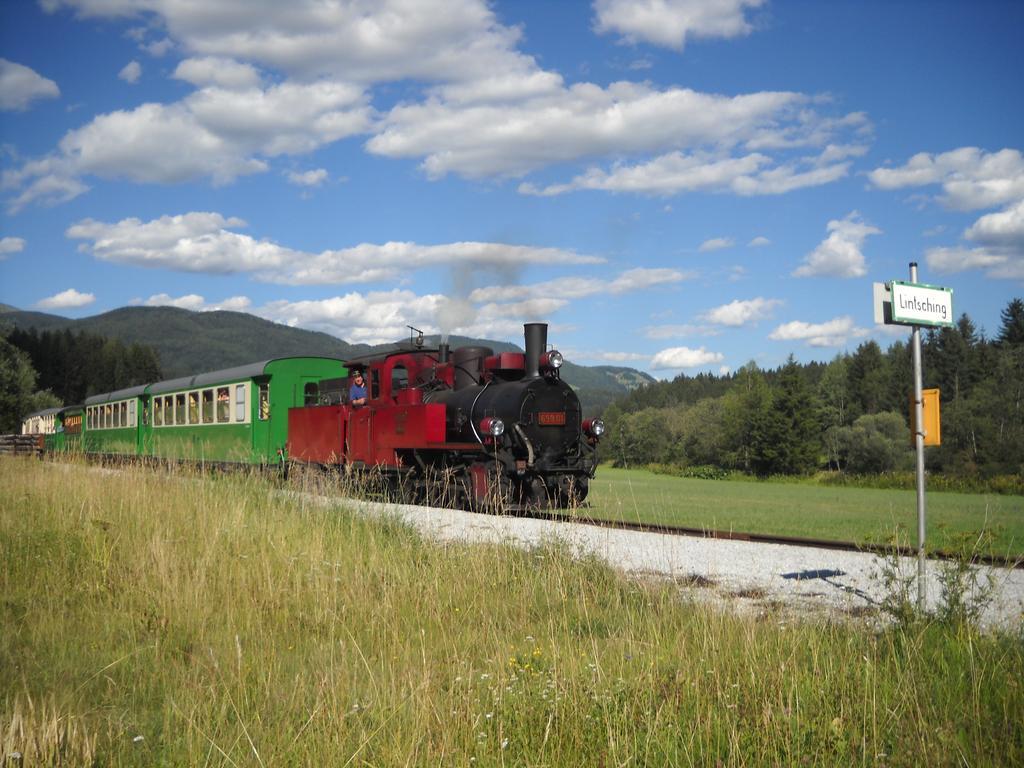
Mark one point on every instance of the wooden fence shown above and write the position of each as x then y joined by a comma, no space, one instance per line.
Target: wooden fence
21,445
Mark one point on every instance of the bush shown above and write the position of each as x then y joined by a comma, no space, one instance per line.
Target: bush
878,442
700,472
1005,485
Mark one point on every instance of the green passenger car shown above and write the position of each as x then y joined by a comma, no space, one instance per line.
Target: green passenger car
67,435
113,423
237,415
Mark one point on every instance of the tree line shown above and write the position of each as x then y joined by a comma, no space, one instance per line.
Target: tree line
850,414
54,368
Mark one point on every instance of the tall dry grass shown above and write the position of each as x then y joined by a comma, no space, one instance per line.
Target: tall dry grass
154,618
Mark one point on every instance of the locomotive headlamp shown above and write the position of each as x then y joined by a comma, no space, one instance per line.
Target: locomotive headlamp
493,426
552,359
593,427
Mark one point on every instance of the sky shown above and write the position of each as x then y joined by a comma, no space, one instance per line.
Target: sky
673,185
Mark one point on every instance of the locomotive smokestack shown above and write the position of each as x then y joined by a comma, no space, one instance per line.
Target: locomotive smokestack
536,345
443,351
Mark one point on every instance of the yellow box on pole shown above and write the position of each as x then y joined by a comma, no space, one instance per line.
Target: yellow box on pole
931,418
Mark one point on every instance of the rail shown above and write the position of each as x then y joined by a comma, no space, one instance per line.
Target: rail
767,538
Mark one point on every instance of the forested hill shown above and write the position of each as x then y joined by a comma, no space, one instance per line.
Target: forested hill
851,413
192,342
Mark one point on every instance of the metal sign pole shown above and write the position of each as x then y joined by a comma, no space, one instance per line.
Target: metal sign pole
919,445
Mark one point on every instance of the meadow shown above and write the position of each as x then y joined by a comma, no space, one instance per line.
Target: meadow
157,619
812,511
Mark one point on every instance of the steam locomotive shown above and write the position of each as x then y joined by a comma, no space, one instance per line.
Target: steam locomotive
463,427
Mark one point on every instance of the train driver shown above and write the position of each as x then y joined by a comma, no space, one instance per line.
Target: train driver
357,391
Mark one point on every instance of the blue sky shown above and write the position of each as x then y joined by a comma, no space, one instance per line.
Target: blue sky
674,185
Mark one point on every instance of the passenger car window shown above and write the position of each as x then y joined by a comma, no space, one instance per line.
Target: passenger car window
223,404
264,402
207,406
240,402
179,408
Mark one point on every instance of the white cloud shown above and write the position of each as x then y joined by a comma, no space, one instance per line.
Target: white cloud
384,40
839,255
759,242
69,299
676,172
716,244
197,303
833,333
192,242
9,245
191,301
131,72
737,313
637,279
46,181
21,85
1002,229
684,357
572,123
158,48
224,73
642,277
970,177
204,242
998,263
485,108
312,178
381,316
668,23
154,143
234,304
610,357
214,132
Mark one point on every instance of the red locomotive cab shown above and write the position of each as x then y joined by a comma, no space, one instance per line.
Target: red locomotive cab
395,420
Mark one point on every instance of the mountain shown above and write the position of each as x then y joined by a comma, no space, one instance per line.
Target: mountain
191,342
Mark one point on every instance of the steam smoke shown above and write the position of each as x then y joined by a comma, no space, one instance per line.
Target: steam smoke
457,311
454,313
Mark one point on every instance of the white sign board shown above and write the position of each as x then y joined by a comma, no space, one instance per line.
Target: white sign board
883,303
920,304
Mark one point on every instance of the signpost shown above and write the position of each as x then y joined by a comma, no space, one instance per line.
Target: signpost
916,304
919,304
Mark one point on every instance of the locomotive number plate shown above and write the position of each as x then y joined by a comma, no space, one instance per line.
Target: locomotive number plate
551,419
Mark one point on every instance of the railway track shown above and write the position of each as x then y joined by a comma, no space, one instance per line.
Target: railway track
763,538
766,538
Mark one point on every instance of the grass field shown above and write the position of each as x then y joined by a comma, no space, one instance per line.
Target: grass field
848,514
153,619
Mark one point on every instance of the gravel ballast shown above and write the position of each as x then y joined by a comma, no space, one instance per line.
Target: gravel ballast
746,574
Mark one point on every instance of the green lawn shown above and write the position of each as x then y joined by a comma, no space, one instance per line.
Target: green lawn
851,514
166,619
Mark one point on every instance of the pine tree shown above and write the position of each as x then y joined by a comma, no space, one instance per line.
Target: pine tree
868,379
1012,331
793,431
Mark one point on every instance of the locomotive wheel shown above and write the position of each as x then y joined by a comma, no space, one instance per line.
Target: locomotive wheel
570,491
406,488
